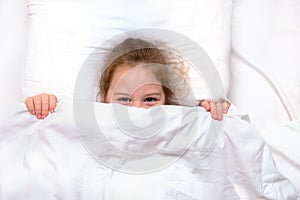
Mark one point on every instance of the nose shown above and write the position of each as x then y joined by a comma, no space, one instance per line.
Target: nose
138,104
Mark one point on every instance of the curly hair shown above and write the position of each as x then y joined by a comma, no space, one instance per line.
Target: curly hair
172,72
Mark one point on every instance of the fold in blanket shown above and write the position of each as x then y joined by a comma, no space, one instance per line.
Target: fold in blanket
106,151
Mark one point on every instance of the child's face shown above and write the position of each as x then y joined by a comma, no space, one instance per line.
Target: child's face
136,87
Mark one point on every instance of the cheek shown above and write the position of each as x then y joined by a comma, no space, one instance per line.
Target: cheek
163,99
163,102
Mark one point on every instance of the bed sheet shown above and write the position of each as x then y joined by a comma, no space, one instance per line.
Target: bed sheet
264,75
284,143
47,159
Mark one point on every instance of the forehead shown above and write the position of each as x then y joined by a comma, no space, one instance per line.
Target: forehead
137,74
129,78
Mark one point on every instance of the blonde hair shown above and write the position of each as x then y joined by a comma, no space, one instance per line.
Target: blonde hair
172,72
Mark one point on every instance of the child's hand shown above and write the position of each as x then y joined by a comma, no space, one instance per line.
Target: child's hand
41,104
216,109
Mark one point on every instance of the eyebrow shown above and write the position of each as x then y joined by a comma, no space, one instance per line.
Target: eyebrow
121,93
155,93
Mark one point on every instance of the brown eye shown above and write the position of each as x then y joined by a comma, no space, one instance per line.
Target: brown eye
150,99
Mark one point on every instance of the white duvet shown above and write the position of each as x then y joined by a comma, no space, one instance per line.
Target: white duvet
188,156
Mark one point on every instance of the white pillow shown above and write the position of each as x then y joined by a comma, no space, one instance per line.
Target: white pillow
12,54
62,34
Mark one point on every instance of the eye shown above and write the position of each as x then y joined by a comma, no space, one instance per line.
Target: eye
150,99
124,99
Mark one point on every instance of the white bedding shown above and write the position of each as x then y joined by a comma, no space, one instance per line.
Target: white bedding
28,159
46,159
265,75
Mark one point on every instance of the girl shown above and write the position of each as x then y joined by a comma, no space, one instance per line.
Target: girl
138,74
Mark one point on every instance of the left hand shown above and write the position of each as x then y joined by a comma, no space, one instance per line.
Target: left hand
216,109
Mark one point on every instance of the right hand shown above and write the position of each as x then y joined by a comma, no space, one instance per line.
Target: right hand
41,104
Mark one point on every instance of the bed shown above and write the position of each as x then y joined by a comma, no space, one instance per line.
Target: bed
44,49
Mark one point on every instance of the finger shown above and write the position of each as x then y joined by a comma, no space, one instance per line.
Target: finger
225,106
205,105
37,102
45,105
213,110
219,111
29,105
52,103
